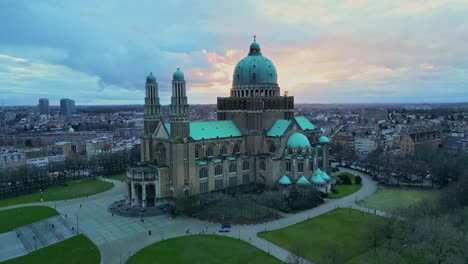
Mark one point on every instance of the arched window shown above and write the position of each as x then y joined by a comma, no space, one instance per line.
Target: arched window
300,166
218,170
245,165
209,152
236,149
232,167
223,150
299,151
272,148
290,151
203,173
197,153
262,165
288,166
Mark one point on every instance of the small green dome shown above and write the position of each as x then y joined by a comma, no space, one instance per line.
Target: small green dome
317,179
255,69
303,181
323,140
254,48
322,174
284,180
178,75
150,78
298,140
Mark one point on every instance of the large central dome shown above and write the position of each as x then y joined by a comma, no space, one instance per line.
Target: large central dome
254,69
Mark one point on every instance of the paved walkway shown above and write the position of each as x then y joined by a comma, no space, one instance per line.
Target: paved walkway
120,237
26,239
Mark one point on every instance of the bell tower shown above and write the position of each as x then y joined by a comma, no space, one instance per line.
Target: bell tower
180,126
152,117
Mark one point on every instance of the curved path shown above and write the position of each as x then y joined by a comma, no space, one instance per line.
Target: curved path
120,237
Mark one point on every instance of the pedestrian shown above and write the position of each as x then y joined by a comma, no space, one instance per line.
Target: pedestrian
53,226
80,205
149,232
66,216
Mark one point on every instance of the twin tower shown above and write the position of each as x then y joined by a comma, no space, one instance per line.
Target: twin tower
179,117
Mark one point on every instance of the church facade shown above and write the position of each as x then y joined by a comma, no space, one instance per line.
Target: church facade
256,139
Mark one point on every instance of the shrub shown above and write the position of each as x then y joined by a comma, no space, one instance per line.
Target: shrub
333,189
358,180
345,178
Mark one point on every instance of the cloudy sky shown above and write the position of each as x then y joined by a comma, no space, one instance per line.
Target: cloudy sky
99,52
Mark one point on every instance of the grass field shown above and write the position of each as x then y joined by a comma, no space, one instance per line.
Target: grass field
393,199
118,177
203,249
76,250
74,189
345,189
16,217
341,230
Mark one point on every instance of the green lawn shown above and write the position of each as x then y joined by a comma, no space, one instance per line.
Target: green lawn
74,189
76,250
344,189
203,249
118,177
390,199
341,230
16,217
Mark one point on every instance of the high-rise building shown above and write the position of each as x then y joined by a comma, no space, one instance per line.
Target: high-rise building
67,106
44,106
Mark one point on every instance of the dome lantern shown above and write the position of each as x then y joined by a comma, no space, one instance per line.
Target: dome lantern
151,78
178,75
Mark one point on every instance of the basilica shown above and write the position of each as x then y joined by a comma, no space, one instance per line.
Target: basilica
256,139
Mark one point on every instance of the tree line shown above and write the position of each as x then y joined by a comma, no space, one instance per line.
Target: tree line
27,179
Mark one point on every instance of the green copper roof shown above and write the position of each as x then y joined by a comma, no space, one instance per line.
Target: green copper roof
298,140
150,78
284,180
317,179
178,75
324,139
255,68
216,160
322,174
231,158
304,123
201,162
211,129
278,128
303,181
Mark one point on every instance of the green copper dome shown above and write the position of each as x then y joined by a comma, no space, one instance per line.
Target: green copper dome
150,78
255,68
285,180
322,174
317,179
303,181
324,139
298,140
178,75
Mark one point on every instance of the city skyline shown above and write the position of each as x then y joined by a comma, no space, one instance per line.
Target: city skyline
348,52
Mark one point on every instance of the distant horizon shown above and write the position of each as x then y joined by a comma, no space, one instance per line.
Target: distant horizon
353,51
295,103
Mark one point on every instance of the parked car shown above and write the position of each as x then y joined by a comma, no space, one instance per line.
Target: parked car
228,225
224,229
